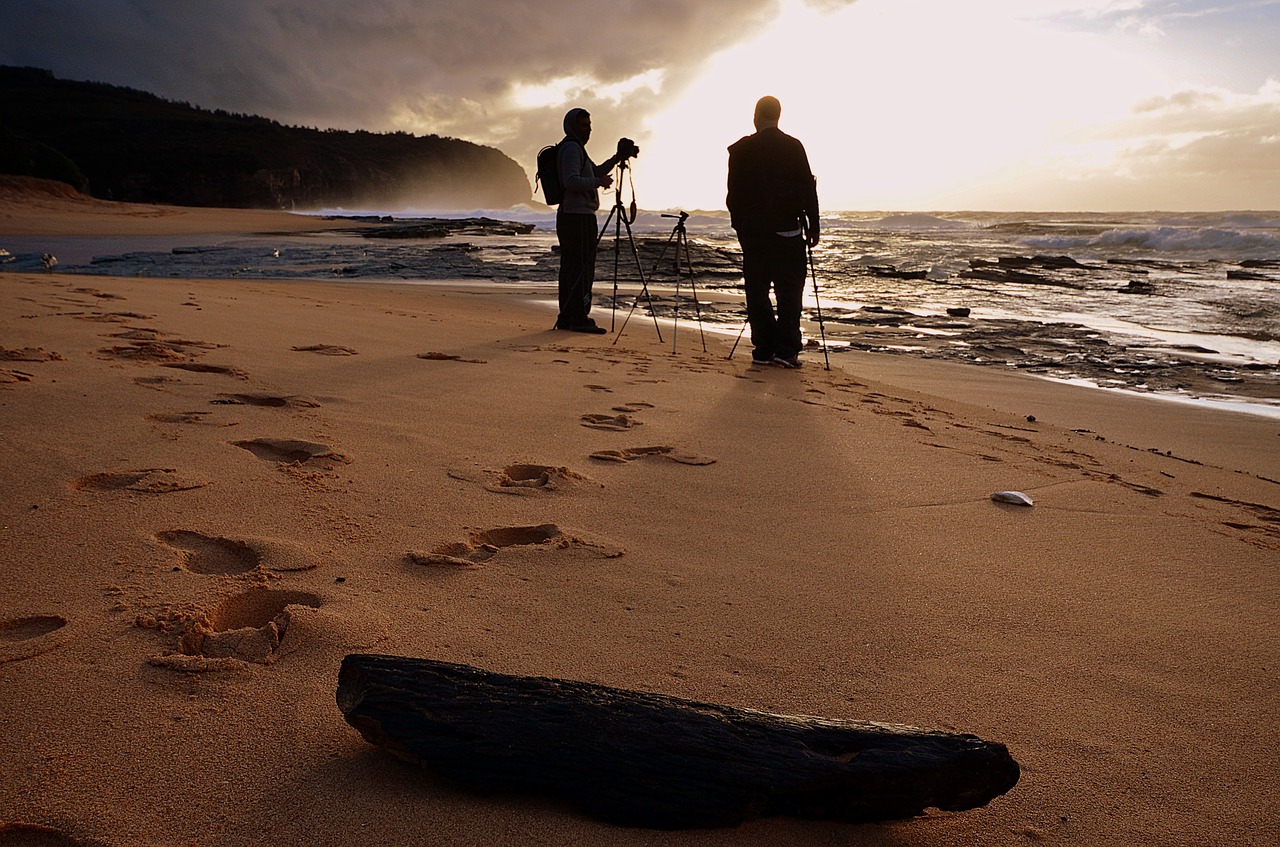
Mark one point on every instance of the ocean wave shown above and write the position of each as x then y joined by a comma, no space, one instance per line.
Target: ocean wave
916,221
1165,240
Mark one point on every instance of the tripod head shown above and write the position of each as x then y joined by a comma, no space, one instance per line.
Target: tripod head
683,216
623,166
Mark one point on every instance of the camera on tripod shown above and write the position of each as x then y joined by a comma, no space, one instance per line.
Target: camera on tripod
627,148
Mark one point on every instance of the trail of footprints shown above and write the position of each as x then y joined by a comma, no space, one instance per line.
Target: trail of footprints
250,625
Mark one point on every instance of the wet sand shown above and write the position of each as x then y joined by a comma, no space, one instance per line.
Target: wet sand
193,466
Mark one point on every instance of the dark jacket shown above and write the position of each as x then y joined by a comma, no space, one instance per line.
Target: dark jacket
771,188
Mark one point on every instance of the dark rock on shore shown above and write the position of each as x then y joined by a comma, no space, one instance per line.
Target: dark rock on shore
440,227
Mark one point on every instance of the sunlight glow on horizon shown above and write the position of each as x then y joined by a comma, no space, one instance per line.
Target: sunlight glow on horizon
899,116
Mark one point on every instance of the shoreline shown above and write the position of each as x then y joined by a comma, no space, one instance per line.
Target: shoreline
217,489
1214,371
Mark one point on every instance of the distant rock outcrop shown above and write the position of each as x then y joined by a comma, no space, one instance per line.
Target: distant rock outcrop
122,144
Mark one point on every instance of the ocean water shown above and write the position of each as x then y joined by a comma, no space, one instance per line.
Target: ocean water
1183,304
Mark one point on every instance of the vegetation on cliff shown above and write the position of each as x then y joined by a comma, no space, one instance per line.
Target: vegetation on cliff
123,144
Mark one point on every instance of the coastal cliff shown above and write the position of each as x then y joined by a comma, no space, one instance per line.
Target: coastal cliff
123,144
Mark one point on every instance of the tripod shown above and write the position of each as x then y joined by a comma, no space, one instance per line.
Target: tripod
680,237
618,214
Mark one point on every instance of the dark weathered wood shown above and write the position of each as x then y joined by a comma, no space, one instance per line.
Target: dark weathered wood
641,759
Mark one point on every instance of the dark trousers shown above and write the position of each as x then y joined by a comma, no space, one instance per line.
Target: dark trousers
577,235
771,260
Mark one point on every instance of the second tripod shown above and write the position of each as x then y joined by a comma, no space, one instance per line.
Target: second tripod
680,238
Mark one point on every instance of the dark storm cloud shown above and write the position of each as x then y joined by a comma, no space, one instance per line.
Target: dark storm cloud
422,65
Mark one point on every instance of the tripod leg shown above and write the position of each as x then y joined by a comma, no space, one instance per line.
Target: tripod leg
617,237
822,329
693,286
603,229
644,290
734,349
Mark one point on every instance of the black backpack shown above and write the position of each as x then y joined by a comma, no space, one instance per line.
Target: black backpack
549,174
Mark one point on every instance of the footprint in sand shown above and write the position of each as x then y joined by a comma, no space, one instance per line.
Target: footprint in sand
9,376
669,453
29,354
523,479
290,451
184,418
101,295
200,368
143,351
156,382
117,317
611,422
484,545
246,627
147,334
22,638
449,357
144,481
326,350
208,554
35,835
203,554
271,401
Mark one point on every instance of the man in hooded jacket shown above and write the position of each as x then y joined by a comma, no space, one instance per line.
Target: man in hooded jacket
576,221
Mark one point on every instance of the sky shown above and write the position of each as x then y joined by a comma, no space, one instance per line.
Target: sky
903,105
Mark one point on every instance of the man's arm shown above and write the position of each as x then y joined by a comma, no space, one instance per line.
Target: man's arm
572,158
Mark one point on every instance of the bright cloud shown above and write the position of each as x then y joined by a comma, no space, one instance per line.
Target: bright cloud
903,104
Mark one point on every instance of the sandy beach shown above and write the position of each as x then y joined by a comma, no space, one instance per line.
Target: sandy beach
186,461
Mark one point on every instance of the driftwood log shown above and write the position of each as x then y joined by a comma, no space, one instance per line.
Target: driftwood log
650,760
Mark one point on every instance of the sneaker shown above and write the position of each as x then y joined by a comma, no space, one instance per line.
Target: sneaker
591,327
788,361
762,360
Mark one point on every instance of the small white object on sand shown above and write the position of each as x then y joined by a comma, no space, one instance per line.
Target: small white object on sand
1017,498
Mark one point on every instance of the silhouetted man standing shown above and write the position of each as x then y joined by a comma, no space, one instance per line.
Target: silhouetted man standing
576,221
773,206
